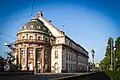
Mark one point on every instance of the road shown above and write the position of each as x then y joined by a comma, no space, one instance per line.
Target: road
100,76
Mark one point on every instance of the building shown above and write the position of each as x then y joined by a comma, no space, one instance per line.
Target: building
42,47
97,65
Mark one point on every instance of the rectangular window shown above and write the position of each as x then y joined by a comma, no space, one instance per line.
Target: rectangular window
69,66
66,55
56,54
66,66
23,61
69,56
30,51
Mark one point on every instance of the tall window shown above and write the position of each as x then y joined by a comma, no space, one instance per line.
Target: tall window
69,66
30,53
69,56
27,36
46,56
56,54
52,41
22,53
35,36
66,55
66,66
23,61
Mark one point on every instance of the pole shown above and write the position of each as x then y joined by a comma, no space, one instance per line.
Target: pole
111,57
114,59
93,58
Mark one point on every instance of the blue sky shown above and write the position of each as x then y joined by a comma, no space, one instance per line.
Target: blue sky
88,22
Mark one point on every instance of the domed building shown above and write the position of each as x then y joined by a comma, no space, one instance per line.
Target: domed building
41,47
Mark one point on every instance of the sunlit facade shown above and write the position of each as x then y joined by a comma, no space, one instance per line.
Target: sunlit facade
42,47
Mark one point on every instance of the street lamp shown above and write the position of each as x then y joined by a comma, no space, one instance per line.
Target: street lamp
93,54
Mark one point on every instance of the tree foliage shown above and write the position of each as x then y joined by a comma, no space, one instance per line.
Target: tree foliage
105,63
117,53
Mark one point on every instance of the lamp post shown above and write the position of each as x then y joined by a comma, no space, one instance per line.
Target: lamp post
93,54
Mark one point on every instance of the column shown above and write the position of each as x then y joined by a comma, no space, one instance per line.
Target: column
42,61
19,59
34,62
26,58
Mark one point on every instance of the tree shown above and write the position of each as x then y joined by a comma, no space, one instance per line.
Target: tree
117,53
109,46
10,57
106,62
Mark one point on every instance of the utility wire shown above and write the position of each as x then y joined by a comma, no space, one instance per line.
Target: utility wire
32,8
7,35
11,21
31,14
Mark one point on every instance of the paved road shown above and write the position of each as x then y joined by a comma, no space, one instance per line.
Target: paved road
34,77
45,76
54,76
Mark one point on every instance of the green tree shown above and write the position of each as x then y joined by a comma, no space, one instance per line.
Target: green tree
109,45
106,62
117,53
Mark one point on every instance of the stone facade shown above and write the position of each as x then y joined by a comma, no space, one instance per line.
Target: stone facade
43,48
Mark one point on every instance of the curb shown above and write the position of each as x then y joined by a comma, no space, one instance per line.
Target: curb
75,76
15,73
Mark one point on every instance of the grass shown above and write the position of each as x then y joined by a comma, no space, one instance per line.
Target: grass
114,75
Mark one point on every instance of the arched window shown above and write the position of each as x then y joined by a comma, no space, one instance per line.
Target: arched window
56,54
31,37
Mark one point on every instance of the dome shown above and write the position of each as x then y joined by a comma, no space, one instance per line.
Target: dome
35,24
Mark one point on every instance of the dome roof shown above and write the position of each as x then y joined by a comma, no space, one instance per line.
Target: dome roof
35,24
